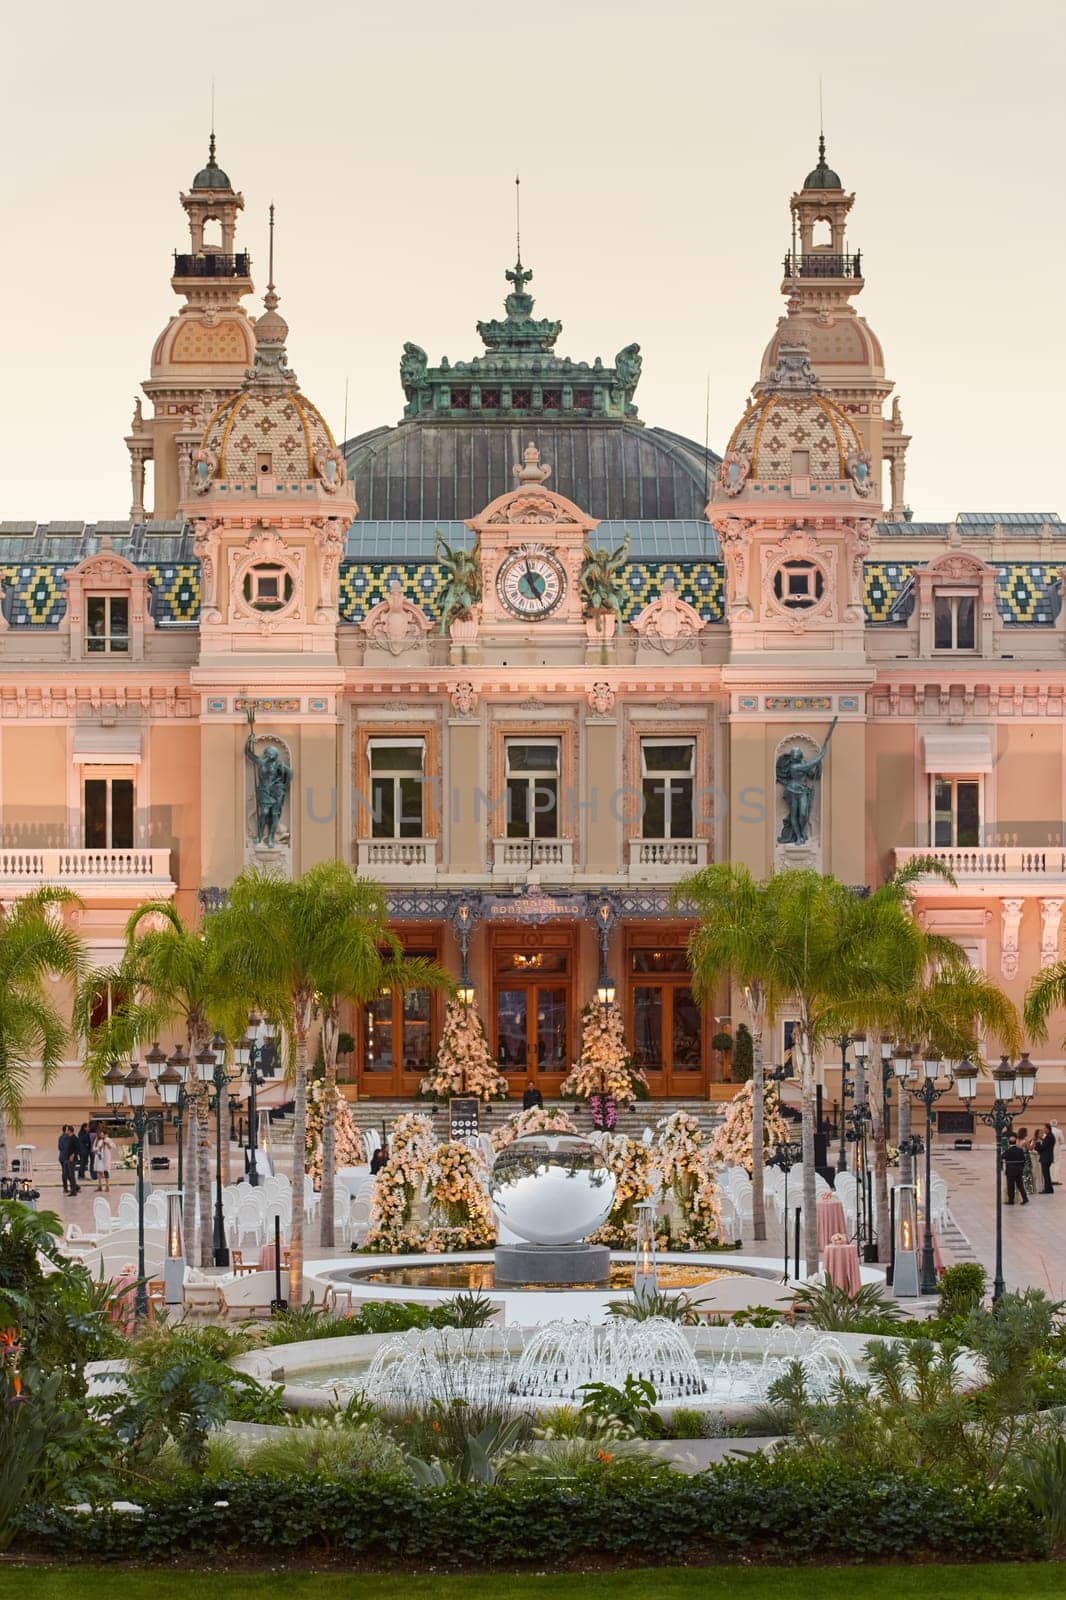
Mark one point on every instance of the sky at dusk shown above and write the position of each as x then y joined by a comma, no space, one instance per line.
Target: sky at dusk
658,147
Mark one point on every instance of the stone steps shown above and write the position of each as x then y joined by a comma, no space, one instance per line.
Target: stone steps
631,1120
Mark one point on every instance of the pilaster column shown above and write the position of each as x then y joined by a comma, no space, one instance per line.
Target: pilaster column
1050,920
1010,921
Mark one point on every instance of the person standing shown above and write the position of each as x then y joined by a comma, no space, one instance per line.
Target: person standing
1045,1152
85,1150
532,1097
68,1157
1028,1145
380,1158
1014,1168
103,1157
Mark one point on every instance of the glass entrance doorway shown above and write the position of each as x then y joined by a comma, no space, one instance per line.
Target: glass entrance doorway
532,999
667,1027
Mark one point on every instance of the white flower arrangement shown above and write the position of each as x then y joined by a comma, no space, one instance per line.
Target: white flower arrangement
731,1143
605,1066
464,1060
686,1167
399,1183
447,1175
349,1149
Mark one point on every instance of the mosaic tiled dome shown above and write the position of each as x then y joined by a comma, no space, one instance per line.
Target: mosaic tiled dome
777,425
257,419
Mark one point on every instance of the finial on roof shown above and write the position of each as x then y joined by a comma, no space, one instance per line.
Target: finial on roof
530,469
823,176
271,329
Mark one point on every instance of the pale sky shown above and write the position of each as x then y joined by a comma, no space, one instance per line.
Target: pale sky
658,145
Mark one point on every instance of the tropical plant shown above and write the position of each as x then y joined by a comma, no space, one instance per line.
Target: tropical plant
658,1307
631,1408
476,1461
832,1310
572,1458
460,581
36,945
600,581
332,1449
58,1317
1043,1479
37,1433
300,949
961,1289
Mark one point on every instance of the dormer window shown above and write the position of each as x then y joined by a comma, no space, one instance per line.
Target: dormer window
954,621
107,618
264,463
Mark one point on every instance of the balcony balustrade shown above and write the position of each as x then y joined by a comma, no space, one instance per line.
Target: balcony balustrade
212,264
513,857
665,860
89,873
398,860
994,864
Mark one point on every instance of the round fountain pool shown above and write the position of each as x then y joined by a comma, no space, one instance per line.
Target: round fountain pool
454,1275
726,1370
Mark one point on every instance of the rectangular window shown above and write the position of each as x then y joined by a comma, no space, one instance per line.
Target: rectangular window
107,809
107,624
667,768
954,622
956,811
397,769
532,776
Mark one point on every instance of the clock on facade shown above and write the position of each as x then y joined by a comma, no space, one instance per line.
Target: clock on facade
530,581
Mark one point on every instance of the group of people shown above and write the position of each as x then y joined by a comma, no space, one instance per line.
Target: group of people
1019,1167
89,1151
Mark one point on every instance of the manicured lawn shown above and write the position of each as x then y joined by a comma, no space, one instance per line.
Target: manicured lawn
720,1583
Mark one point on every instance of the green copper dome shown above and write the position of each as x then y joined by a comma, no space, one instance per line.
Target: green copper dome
823,176
211,176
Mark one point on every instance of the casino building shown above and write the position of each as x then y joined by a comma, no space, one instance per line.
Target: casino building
529,772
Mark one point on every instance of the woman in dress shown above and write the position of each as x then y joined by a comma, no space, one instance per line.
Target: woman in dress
103,1158
1029,1175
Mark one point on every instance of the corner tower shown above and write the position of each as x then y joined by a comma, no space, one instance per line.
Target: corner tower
204,351
822,275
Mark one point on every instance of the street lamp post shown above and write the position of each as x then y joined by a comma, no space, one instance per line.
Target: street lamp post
1010,1084
842,1154
786,1155
928,1094
211,1071
120,1087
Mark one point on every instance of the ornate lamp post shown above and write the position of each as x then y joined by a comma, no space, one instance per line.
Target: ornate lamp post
903,1071
120,1088
211,1071
787,1154
170,1083
928,1094
1013,1087
845,1090
886,1087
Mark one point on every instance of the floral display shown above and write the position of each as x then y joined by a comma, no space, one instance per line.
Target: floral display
605,1066
464,1060
731,1144
349,1149
686,1168
636,1175
399,1184
458,1193
535,1120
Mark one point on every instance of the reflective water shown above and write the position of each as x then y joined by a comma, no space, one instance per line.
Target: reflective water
482,1275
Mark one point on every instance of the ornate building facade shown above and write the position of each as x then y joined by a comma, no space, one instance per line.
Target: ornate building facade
527,661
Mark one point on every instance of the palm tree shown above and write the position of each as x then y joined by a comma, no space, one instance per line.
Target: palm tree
167,974
35,945
1046,993
734,937
299,949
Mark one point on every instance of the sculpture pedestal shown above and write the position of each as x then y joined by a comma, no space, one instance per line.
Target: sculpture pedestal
552,1265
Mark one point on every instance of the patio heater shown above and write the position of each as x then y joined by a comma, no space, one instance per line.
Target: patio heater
645,1275
174,1262
905,1268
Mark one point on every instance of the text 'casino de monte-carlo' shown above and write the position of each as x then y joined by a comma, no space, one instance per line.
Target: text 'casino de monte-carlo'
530,660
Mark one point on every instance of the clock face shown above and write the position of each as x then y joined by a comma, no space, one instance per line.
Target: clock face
531,582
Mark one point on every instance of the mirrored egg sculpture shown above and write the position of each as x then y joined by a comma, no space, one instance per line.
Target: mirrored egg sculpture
552,1188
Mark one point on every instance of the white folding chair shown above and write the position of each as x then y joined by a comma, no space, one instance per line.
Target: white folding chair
127,1211
248,1221
102,1218
358,1221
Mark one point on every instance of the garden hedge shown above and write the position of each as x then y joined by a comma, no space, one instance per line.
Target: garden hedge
753,1507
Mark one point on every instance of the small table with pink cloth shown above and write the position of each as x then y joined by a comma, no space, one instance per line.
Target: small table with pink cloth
831,1218
841,1262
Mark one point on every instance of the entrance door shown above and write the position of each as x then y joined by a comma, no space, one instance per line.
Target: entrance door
667,1027
532,997
396,1033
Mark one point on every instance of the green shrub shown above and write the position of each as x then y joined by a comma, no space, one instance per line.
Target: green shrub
686,1424
330,1451
743,1054
1043,1480
753,1508
829,1309
658,1307
631,1408
961,1289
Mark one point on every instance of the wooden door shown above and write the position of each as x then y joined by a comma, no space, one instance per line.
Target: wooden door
533,1007
668,1032
397,1033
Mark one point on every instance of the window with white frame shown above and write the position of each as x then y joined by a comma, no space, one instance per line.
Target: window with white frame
107,811
956,811
954,621
532,779
397,773
667,775
107,624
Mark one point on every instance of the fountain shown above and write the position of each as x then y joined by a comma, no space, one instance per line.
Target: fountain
552,1191
564,1356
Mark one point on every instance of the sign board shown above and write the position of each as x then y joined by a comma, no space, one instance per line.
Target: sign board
954,1122
464,1117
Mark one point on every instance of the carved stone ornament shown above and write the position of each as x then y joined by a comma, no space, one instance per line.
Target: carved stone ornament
205,465
464,699
1010,912
859,465
531,469
601,699
1050,922
331,469
396,623
668,623
733,472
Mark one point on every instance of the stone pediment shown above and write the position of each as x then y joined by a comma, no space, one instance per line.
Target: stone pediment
668,623
532,503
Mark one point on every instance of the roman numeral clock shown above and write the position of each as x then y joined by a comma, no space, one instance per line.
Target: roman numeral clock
532,543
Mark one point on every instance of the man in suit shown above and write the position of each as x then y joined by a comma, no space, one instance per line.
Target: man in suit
1014,1168
532,1097
1045,1151
68,1156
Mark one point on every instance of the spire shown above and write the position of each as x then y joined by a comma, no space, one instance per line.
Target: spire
211,176
823,176
271,330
